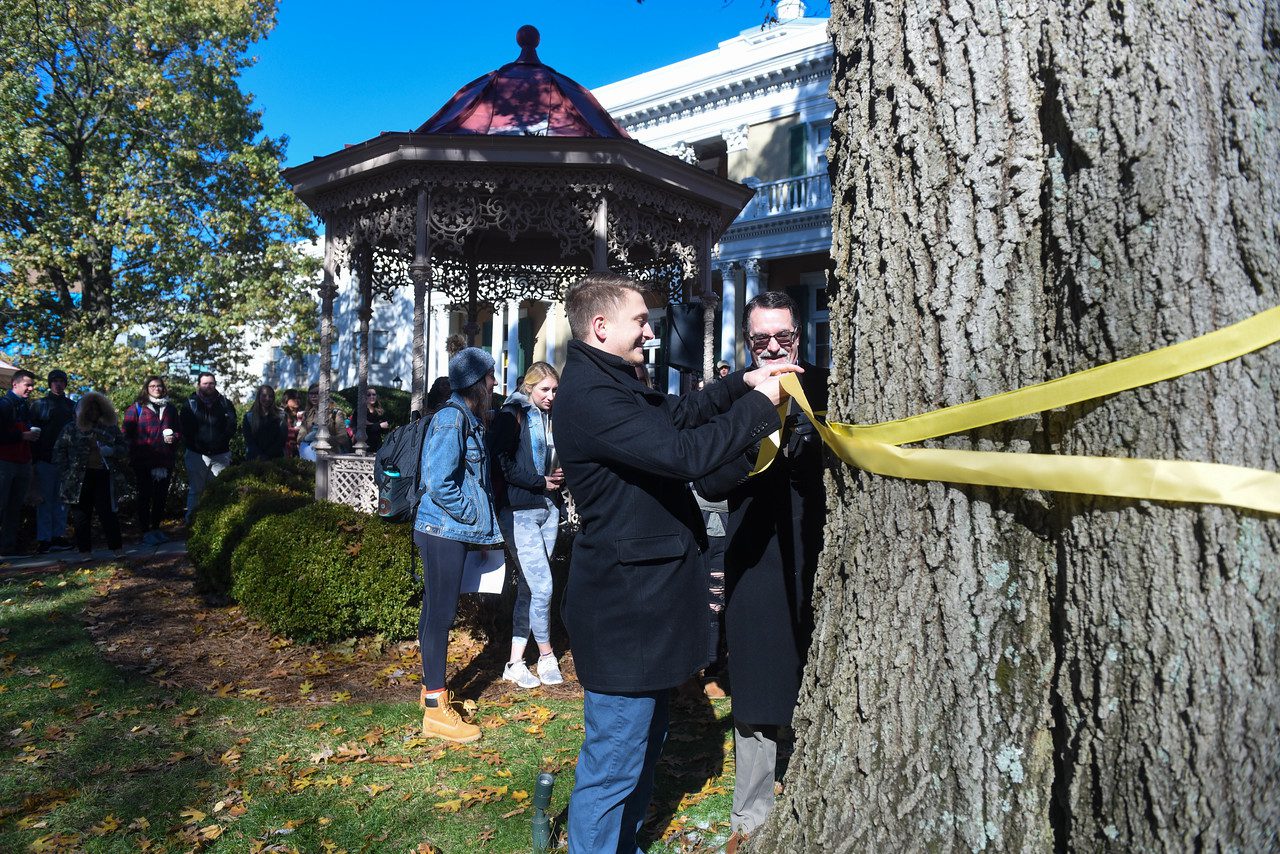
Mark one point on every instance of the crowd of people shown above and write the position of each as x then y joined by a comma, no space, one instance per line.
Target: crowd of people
75,460
684,561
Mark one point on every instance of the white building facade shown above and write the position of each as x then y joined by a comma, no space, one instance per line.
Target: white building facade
755,110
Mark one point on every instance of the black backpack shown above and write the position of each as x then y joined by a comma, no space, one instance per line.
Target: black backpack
397,469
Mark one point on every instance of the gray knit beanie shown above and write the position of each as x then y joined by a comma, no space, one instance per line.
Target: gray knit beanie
468,367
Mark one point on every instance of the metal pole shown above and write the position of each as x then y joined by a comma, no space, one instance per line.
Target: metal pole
600,246
420,272
365,272
328,288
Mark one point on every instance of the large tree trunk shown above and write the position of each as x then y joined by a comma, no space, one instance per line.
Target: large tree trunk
1024,190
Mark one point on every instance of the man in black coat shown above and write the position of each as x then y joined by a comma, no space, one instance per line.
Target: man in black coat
208,425
636,600
775,535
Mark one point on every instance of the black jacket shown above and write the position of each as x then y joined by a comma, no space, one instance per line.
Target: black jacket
510,448
774,537
51,414
636,601
264,437
207,429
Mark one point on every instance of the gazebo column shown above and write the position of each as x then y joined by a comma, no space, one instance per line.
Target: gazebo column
600,242
756,280
328,289
513,346
420,272
709,305
497,338
472,327
364,269
439,320
728,312
550,332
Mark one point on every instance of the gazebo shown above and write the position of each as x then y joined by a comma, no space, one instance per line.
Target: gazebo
515,188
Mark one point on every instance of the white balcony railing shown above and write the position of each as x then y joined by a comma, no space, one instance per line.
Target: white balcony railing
789,196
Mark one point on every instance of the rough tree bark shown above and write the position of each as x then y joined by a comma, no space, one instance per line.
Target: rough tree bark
1022,190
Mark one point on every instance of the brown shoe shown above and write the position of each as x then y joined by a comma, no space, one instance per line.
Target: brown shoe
735,839
440,720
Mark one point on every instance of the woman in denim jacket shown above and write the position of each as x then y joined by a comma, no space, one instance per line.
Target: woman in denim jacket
456,511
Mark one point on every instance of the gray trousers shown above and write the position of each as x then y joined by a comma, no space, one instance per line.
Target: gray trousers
200,470
755,755
15,479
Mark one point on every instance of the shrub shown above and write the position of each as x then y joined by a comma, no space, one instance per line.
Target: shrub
325,572
233,503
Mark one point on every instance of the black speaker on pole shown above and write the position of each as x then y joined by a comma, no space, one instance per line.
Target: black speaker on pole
684,345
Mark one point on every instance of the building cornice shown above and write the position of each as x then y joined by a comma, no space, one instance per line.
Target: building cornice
752,229
813,67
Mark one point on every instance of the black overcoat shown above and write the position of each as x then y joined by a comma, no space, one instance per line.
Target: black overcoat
774,537
635,603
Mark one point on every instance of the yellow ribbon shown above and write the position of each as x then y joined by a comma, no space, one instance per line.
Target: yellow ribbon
873,447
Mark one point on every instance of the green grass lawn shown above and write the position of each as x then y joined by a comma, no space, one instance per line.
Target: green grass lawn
97,759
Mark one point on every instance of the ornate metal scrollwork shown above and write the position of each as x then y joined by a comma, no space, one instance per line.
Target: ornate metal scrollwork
644,221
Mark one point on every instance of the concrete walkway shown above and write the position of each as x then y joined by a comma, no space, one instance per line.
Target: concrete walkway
12,564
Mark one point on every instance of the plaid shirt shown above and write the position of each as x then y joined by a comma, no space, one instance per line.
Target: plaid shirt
144,430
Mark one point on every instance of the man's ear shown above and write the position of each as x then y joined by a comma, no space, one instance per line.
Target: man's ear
600,327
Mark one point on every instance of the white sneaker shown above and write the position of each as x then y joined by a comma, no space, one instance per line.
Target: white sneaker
549,670
517,672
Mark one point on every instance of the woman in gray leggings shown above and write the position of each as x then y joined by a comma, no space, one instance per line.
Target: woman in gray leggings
524,450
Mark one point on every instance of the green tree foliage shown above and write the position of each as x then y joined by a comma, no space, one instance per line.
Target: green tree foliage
137,189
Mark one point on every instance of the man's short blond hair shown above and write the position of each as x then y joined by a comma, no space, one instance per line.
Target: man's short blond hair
594,295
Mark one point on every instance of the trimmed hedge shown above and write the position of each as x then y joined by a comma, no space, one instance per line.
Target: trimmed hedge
236,501
325,572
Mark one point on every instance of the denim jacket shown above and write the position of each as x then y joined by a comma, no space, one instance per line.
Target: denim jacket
458,503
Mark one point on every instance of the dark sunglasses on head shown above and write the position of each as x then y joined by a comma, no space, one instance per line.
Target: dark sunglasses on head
784,339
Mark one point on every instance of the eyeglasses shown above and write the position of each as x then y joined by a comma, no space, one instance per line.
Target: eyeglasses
784,338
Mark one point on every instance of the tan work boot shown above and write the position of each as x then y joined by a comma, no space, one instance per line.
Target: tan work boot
440,720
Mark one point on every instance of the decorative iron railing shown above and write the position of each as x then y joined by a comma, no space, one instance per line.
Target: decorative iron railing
788,196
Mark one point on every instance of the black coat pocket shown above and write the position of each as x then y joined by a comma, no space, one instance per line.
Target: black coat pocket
658,549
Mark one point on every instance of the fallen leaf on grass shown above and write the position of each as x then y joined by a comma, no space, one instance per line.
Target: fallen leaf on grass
109,824
375,789
56,842
450,806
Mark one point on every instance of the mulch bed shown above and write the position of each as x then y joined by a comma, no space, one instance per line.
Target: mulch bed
149,619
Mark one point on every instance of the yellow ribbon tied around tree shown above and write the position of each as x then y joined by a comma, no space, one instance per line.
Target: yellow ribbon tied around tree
874,447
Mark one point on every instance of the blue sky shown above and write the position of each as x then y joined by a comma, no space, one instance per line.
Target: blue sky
334,73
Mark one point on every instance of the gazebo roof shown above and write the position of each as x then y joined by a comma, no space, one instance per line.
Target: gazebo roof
524,98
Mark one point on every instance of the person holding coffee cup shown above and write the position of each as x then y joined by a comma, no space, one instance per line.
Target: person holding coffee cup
152,431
